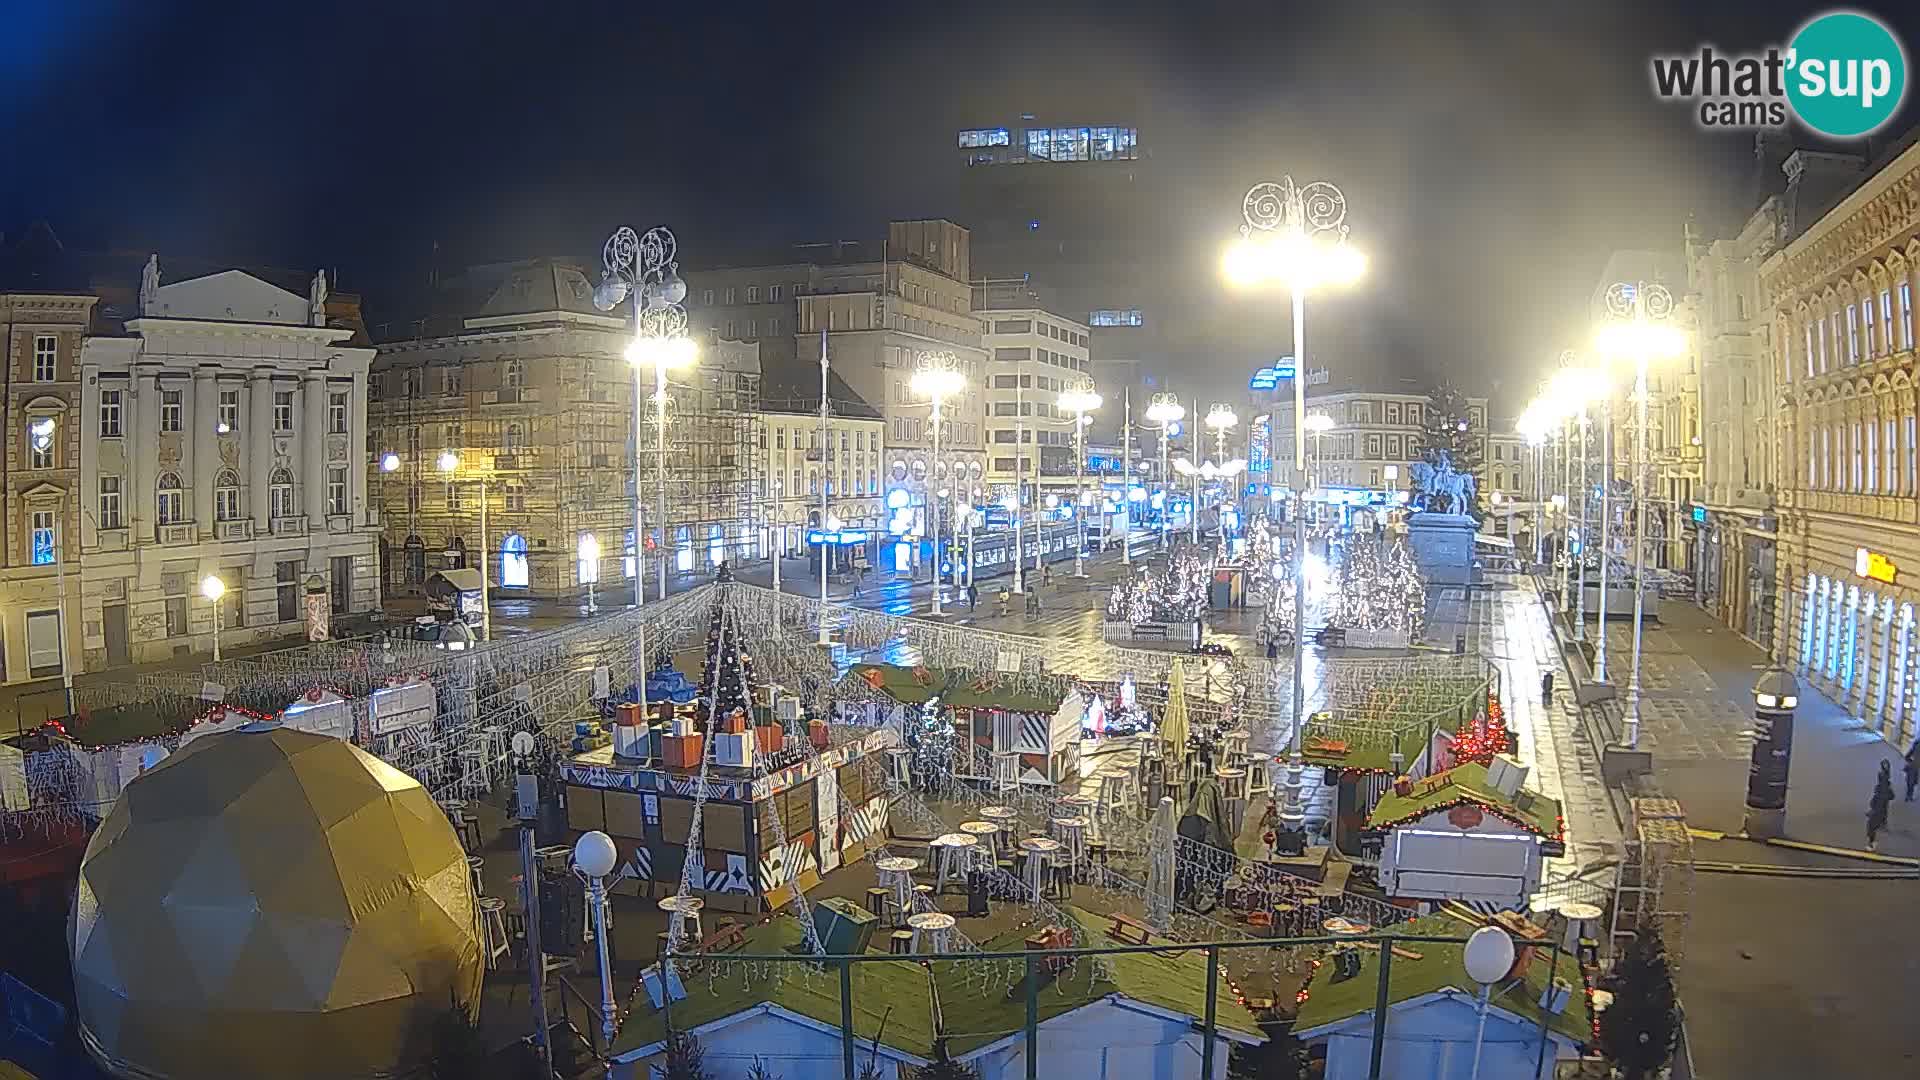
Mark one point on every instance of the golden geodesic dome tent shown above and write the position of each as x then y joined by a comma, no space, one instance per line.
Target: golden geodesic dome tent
271,902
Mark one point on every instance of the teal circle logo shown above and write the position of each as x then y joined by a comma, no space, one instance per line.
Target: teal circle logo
1846,74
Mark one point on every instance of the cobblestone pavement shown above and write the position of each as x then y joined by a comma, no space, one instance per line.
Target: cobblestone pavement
1563,762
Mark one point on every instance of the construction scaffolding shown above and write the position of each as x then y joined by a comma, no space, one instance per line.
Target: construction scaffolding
714,462
1654,883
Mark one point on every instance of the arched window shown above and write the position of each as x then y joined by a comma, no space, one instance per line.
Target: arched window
280,494
513,561
514,438
226,496
170,503
516,375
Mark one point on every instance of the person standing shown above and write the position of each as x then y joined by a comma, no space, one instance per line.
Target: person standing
1912,768
1877,805
973,596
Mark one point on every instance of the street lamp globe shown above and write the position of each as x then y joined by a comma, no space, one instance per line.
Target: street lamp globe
1319,423
594,854
389,462
1165,410
589,548
1220,418
665,353
212,587
449,461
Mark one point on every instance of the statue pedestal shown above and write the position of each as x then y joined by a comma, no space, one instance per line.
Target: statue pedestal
1442,546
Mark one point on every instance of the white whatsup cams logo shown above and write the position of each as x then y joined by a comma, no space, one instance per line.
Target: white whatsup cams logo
1843,74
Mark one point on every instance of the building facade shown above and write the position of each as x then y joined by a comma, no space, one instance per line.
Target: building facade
1735,550
223,432
534,399
879,321
801,475
41,336
1375,439
1033,356
1840,297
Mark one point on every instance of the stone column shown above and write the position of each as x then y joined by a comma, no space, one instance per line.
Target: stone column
142,435
259,435
202,411
313,448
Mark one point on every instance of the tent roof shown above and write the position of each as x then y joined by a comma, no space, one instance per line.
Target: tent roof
903,994
465,579
1441,967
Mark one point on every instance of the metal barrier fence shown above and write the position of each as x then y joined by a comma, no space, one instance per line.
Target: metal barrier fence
1013,1042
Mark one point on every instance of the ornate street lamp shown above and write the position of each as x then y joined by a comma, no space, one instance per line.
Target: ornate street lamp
1164,412
646,269
1080,400
938,376
1639,332
1296,236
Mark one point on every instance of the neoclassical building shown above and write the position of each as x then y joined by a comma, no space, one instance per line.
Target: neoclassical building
1841,298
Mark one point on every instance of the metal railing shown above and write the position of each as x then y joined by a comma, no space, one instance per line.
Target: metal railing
1028,974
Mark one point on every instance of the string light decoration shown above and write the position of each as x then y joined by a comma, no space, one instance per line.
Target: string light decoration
1483,737
1176,592
1380,588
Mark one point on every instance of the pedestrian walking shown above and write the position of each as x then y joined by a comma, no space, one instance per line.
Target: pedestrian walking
1913,768
973,596
1877,805
1546,689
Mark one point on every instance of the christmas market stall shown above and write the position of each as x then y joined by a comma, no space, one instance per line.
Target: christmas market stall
760,808
984,728
1474,832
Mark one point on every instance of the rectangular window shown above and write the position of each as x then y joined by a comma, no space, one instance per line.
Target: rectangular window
773,293
1906,315
283,410
171,406
753,329
730,294
1873,458
176,616
1867,351
729,332
110,414
286,590
515,497
1890,476
226,503
229,411
773,326
1856,459
42,538
779,438
280,501
453,441
1887,338
336,491
453,496
337,413
451,381
1820,332
1809,329
1907,444
342,591
170,506
753,294
41,445
110,502
46,352
706,297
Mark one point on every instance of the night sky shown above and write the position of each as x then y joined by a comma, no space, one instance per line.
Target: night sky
1492,154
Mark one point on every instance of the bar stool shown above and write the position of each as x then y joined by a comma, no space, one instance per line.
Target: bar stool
984,832
1072,834
877,902
1259,780
1235,745
689,909
1041,853
900,943
951,859
1008,820
475,864
1115,791
493,927
896,873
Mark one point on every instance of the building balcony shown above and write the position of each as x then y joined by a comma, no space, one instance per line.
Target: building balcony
175,534
513,396
241,529
295,525
339,523
114,539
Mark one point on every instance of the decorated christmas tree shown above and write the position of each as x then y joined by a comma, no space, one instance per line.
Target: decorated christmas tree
726,671
1484,737
1638,1032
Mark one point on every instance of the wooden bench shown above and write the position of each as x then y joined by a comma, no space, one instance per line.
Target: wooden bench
1150,630
729,937
1129,931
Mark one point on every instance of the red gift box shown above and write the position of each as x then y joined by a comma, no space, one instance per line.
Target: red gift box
627,712
817,733
771,738
682,751
734,723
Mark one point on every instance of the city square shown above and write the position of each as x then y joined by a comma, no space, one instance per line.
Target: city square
1240,573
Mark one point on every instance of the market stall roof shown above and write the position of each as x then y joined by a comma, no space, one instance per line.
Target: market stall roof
902,995
1466,783
914,685
1440,967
